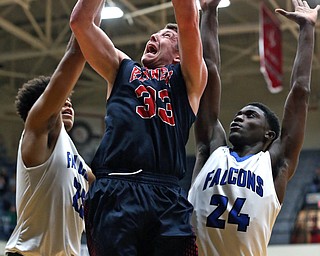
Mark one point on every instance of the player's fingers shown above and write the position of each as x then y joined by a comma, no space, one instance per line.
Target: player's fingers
295,4
305,3
299,2
281,11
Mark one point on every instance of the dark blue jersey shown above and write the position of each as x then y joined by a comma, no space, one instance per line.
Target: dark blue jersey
147,122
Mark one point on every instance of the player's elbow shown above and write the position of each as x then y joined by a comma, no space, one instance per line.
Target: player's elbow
203,150
79,21
212,67
74,23
301,88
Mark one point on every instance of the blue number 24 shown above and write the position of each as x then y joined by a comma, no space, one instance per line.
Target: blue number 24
234,216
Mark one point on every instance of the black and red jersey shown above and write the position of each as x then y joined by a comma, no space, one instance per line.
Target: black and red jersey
148,119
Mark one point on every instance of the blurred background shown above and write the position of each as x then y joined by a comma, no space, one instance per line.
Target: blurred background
33,38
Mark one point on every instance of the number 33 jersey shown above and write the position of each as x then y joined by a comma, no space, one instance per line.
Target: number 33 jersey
147,122
235,204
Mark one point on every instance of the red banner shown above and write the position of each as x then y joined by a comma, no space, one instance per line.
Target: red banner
270,48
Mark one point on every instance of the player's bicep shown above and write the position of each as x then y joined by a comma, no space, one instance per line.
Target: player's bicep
99,51
192,65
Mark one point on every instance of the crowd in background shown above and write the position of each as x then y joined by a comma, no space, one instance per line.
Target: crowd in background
7,193
307,227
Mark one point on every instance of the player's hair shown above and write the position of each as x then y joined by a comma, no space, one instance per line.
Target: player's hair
272,118
29,93
172,26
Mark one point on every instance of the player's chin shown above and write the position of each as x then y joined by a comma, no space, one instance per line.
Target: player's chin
68,123
149,60
233,137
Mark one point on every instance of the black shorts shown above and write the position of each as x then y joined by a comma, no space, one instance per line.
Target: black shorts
138,215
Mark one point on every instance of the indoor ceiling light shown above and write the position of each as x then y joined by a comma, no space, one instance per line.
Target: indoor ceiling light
222,4
111,12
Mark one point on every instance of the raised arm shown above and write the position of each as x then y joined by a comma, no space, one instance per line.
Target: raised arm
285,151
96,46
40,125
190,48
209,133
40,129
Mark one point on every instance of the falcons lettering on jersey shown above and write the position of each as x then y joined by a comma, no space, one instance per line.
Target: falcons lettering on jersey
237,177
74,162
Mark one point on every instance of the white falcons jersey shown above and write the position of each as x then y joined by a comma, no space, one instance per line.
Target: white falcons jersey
49,200
235,204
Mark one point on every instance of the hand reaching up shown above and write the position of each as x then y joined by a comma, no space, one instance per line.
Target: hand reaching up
302,13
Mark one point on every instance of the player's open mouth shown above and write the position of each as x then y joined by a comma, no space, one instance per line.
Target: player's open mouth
67,112
151,48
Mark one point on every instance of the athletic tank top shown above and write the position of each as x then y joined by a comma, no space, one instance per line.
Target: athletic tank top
147,121
235,204
49,201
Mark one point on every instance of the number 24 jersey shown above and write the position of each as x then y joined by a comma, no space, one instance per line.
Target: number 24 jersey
235,204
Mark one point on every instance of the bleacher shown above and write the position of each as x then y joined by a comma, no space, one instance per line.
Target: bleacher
295,196
7,196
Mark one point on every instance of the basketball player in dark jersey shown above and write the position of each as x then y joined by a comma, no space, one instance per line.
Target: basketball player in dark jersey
136,206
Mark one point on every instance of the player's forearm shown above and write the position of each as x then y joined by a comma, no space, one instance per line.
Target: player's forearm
84,13
73,45
210,101
303,61
186,14
209,37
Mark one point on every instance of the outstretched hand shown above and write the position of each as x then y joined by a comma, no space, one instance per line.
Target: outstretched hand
302,13
206,4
